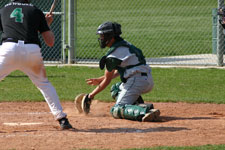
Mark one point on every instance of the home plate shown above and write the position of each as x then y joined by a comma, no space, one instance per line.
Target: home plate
22,124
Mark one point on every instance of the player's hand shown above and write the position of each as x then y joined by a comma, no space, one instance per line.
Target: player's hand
49,18
91,96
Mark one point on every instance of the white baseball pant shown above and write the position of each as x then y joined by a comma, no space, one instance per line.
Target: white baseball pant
27,58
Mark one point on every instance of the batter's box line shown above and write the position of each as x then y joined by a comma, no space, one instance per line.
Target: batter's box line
24,113
21,135
22,123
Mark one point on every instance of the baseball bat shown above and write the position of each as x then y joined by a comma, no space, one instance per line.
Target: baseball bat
52,7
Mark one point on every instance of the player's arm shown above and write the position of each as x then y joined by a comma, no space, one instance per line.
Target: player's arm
97,81
47,34
49,19
108,76
49,38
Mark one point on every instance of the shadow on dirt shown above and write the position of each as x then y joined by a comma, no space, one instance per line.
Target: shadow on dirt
134,130
169,118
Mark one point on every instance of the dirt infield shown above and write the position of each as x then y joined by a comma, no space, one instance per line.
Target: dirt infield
30,126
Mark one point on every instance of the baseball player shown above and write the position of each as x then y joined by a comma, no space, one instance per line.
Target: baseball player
125,60
20,22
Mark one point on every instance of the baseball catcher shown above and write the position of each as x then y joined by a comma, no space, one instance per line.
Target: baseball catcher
127,61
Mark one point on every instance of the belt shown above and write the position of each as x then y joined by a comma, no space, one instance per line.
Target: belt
138,74
16,41
144,74
135,75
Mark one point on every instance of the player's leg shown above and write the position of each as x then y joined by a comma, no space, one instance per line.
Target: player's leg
131,90
135,112
7,56
34,68
128,95
115,90
5,70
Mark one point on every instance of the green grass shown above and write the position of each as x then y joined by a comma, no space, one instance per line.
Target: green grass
205,147
171,85
188,85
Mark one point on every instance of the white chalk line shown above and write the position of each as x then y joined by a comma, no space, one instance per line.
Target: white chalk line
24,113
6,135
20,135
21,123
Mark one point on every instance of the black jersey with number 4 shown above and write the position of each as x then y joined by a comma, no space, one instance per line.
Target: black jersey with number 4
22,21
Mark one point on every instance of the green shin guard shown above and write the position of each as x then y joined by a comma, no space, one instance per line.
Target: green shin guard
131,112
117,112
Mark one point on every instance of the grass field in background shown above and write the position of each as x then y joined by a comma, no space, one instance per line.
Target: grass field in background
159,28
171,85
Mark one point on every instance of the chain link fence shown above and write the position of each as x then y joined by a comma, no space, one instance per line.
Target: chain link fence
169,32
50,54
177,32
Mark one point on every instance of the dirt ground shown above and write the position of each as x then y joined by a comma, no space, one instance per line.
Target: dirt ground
31,126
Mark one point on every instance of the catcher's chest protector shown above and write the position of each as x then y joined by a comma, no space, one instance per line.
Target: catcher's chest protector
115,63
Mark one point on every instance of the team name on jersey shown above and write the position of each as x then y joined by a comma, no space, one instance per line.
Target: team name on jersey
18,4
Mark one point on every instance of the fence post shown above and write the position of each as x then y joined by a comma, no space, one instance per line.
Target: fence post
220,41
64,45
214,30
71,32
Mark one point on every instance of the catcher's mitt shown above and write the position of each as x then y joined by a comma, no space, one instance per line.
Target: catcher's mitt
83,103
86,103
78,102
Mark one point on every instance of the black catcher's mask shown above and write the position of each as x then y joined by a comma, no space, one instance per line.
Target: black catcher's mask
108,30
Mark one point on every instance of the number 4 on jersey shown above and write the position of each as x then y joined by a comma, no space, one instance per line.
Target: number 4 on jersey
17,14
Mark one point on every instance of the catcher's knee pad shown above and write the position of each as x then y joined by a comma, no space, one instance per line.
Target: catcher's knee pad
115,90
148,106
117,112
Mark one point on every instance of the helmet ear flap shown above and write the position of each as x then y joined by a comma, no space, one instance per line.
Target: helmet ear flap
116,28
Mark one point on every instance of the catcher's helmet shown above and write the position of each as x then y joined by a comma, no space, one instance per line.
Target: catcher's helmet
109,30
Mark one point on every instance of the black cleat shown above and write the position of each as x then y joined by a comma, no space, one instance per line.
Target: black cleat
64,124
